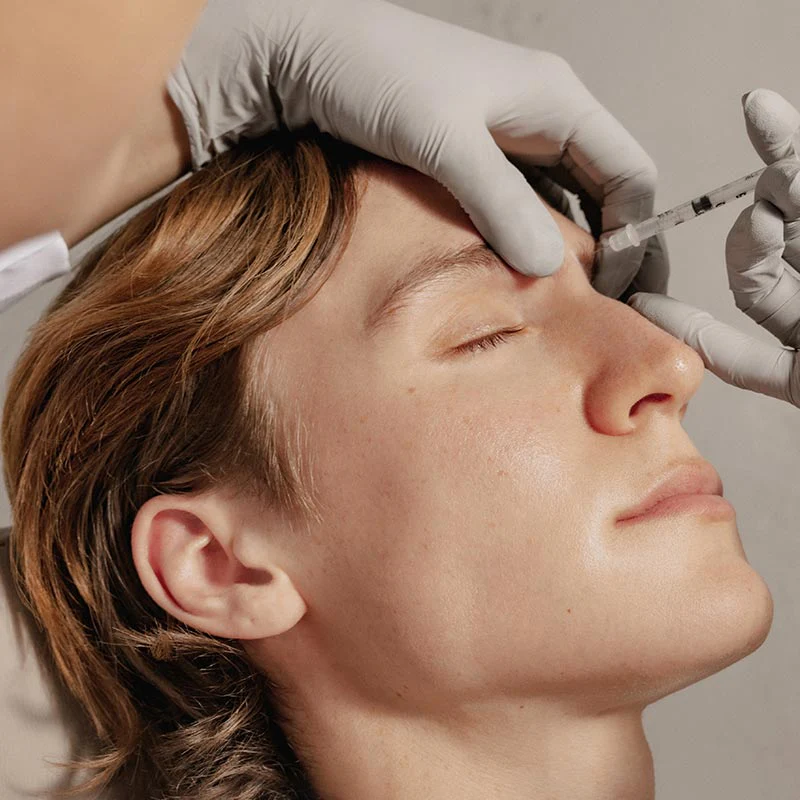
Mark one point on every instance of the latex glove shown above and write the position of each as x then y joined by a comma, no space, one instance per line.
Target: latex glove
429,95
762,253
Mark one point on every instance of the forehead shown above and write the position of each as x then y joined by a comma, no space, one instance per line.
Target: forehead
402,211
401,214
404,215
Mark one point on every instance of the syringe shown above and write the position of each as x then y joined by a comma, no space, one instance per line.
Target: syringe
633,235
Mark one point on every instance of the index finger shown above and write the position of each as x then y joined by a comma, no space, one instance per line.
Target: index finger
616,172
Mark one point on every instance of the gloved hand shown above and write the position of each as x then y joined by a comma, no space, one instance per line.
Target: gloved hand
763,259
439,98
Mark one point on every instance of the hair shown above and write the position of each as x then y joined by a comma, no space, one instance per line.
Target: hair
138,381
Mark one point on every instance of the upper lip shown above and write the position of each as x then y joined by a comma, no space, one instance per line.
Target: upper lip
689,477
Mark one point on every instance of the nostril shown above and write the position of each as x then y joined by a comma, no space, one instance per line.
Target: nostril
655,397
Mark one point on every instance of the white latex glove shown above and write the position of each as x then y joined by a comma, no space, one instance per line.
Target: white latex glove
763,258
430,95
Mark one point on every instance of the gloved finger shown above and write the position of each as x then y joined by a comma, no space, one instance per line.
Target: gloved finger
733,356
615,271
618,174
764,286
502,206
780,185
590,210
653,275
539,180
773,125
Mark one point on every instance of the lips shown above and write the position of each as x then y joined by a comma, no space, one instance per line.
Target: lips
688,478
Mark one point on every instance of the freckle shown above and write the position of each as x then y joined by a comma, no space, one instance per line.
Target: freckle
569,611
362,420
412,389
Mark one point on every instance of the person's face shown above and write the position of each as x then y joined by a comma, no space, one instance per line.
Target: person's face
473,448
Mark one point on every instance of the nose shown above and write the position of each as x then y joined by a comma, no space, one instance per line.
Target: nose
638,370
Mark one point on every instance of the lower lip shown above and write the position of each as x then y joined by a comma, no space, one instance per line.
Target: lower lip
710,506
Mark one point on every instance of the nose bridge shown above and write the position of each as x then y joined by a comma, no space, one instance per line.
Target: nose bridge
632,367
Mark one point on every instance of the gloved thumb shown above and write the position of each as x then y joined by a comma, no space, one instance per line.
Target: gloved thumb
500,202
733,356
773,125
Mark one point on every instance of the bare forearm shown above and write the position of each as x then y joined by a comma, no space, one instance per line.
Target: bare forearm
152,154
82,81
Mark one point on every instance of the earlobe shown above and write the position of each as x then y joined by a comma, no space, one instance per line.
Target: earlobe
187,550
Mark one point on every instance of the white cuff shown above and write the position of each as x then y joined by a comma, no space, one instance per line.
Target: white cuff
27,265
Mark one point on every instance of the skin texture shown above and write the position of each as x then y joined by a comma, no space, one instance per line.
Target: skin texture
86,141
467,618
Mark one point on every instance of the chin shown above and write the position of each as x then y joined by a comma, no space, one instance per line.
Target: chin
750,617
734,620
727,620
735,603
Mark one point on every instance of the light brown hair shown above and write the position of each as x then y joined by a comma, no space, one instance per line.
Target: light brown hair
137,381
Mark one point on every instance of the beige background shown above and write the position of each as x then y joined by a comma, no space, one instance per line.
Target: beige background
673,73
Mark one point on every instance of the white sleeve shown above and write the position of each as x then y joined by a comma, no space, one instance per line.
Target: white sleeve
29,264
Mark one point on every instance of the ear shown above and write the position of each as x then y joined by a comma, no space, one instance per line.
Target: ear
211,566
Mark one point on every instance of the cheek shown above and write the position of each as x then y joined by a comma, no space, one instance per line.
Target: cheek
454,517
458,452
449,491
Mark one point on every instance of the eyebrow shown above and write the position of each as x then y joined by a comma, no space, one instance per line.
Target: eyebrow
439,265
435,266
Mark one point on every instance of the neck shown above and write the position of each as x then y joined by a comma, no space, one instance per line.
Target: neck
525,750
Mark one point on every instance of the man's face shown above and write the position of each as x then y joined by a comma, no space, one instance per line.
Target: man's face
473,443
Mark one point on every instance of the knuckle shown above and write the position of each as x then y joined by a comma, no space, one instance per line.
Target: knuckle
739,235
639,180
556,64
645,174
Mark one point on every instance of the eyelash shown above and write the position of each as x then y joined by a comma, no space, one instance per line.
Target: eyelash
486,342
498,337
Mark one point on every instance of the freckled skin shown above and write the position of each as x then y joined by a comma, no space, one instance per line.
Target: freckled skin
468,501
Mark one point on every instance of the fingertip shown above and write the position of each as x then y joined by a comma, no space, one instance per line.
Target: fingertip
539,258
772,124
635,300
651,305
752,96
502,205
779,184
760,97
529,240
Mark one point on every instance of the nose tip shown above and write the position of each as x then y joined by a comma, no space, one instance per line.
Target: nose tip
642,371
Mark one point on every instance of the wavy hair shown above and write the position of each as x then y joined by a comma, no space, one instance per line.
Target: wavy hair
137,381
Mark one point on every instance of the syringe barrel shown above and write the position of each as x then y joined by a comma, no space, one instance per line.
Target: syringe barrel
633,235
669,219
738,188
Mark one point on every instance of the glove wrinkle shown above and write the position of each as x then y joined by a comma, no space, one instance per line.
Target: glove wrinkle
779,311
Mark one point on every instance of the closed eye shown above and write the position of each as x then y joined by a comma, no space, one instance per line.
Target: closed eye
488,341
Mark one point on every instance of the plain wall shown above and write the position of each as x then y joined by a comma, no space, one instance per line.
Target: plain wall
674,74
